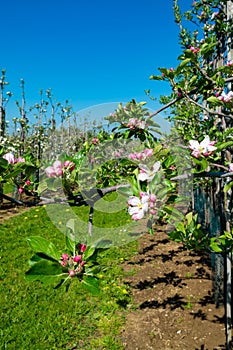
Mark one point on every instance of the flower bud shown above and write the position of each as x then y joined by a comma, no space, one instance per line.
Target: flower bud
83,247
71,273
77,258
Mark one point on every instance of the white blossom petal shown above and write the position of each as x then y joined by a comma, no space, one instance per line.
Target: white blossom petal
193,144
134,201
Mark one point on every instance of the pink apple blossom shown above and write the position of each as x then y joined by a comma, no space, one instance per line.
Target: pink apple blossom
9,157
205,147
148,151
138,206
57,165
50,171
28,182
226,97
148,174
20,160
55,169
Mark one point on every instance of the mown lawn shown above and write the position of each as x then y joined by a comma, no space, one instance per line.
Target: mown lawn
36,316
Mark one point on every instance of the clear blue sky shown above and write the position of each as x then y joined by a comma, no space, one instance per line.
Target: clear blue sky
90,51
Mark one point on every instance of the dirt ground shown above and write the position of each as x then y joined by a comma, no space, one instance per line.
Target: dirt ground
173,293
7,210
173,296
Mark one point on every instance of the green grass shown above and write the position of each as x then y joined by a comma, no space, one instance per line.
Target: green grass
36,316
7,188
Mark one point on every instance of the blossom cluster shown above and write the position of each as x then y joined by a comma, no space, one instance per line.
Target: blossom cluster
226,97
74,264
204,148
135,123
22,188
141,155
139,207
195,50
57,168
11,158
229,63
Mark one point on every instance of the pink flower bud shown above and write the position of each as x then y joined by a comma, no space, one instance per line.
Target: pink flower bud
28,182
152,204
71,273
63,263
82,247
77,258
152,211
57,166
153,198
82,263
95,140
20,190
20,160
50,172
148,152
65,256
140,155
68,164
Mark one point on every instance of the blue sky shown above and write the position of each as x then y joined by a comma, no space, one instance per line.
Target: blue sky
89,52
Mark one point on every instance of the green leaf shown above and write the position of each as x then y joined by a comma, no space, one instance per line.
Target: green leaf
70,244
45,271
42,245
3,163
214,101
228,186
215,247
156,77
184,63
189,217
88,253
224,145
91,284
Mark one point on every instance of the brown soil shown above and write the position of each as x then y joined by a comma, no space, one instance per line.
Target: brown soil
173,292
9,209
